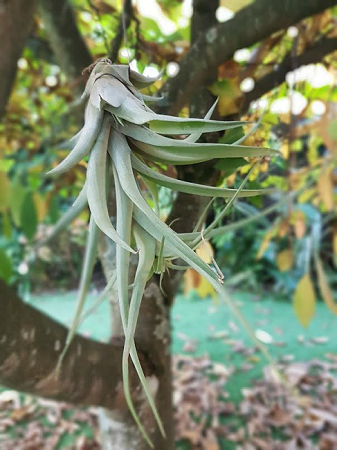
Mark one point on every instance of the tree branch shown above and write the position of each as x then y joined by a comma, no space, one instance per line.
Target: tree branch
66,41
41,49
311,55
123,22
31,343
16,19
252,24
203,18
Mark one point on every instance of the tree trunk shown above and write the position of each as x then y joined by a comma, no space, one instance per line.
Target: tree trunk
66,41
16,19
117,428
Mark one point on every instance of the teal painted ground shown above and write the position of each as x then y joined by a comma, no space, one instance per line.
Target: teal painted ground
206,321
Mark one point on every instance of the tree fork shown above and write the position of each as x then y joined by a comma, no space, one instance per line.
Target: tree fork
31,343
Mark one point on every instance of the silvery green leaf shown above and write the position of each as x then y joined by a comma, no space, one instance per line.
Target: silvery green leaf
121,155
195,136
206,151
86,274
179,125
96,187
100,298
121,72
154,154
85,142
108,89
140,81
146,246
132,110
142,135
135,112
185,156
124,222
149,98
69,143
75,210
183,186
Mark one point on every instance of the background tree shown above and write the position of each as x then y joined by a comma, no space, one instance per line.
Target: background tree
60,41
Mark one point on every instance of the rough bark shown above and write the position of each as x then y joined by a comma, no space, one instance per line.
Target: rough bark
203,18
31,343
65,39
16,20
118,430
252,24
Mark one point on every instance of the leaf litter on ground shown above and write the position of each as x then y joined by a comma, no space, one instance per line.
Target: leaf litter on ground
269,416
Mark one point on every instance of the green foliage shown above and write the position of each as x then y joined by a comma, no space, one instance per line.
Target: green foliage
5,266
28,216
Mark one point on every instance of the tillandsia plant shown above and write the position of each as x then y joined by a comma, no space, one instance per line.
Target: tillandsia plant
124,140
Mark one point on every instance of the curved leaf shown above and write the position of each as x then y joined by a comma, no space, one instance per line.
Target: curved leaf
74,211
96,187
110,90
183,186
86,274
85,142
124,223
140,81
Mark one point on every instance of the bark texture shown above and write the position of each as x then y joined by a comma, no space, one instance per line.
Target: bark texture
203,19
16,20
66,41
31,343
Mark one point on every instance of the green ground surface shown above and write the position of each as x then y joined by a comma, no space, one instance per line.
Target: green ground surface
207,322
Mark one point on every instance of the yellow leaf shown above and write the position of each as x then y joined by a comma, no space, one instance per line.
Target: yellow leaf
192,280
285,118
205,252
205,289
228,92
306,195
41,206
235,5
324,287
265,242
5,191
304,300
264,167
325,189
228,105
298,222
313,149
285,150
284,260
283,229
230,180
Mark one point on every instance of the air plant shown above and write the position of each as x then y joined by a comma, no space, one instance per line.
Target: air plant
124,140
